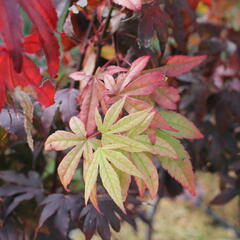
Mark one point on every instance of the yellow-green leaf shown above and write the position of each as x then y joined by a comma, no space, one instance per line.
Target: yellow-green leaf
68,165
88,159
61,140
77,127
92,173
113,113
125,180
113,146
130,121
163,148
143,126
184,127
121,162
111,182
98,120
147,168
175,143
131,145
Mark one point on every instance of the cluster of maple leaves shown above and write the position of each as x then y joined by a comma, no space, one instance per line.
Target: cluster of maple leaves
124,119
127,146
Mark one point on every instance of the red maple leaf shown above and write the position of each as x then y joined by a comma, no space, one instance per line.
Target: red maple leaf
17,69
30,75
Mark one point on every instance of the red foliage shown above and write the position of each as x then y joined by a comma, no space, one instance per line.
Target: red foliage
29,75
16,68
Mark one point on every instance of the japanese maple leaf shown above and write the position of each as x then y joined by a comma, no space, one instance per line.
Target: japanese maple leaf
153,19
134,84
44,18
93,92
17,69
62,140
29,76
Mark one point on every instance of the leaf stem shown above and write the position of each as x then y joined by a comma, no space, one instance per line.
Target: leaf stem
94,134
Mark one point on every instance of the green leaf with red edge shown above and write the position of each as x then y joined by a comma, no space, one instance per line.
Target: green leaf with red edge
133,105
181,170
141,127
125,180
88,161
77,127
110,180
184,127
161,146
111,163
98,120
134,5
166,97
130,121
112,114
178,65
175,143
91,174
145,165
130,144
121,162
61,140
69,164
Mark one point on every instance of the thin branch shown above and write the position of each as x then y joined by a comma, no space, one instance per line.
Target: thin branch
100,44
153,211
219,221
115,44
85,41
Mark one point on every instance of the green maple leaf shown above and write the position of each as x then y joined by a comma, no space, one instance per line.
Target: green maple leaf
179,168
109,160
61,140
106,161
151,180
184,127
113,131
